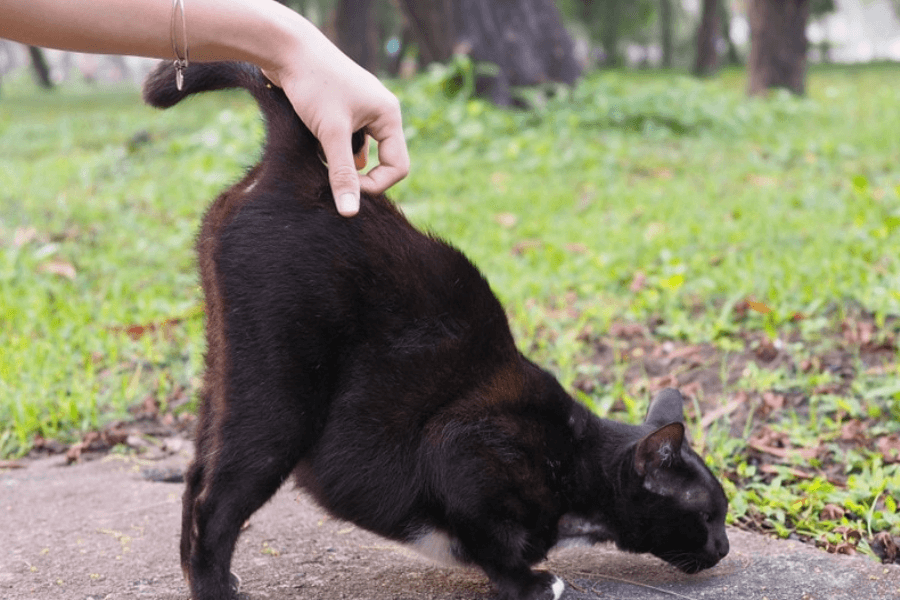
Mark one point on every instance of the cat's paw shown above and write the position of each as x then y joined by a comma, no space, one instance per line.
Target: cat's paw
557,587
539,586
552,587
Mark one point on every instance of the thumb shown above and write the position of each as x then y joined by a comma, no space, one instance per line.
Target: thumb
342,173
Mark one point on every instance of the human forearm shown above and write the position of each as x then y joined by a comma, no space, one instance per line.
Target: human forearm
258,31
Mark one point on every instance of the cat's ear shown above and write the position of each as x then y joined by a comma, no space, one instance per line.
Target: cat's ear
667,407
659,449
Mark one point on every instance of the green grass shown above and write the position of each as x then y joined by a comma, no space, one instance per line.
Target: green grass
640,197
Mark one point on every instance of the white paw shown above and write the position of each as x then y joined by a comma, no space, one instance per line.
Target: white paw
557,587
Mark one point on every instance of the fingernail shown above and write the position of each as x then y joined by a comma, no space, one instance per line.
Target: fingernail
348,204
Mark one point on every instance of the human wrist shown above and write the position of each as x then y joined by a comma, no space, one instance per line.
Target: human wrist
282,40
262,32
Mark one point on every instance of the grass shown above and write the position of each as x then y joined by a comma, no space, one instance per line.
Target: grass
706,218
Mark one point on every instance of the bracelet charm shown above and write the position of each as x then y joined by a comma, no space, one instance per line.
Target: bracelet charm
180,63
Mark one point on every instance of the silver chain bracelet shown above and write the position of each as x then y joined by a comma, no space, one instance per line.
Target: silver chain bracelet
180,63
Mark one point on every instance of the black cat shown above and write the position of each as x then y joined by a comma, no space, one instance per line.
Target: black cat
374,363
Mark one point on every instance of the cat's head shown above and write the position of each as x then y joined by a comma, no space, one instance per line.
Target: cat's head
671,504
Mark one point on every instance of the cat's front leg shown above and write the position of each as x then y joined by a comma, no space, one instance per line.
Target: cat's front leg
505,552
528,585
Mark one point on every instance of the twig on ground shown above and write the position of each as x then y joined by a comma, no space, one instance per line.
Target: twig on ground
635,583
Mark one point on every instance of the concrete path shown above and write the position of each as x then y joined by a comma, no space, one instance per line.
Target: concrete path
101,530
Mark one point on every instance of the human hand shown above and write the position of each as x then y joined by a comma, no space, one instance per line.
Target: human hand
335,97
332,94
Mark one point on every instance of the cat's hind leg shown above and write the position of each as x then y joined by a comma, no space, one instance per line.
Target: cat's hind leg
240,463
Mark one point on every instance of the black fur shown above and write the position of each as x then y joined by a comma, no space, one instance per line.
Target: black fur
375,364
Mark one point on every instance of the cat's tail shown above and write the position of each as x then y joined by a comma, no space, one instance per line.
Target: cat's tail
285,129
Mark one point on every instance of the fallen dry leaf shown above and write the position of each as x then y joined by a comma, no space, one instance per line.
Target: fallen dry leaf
809,365
858,332
23,235
525,245
759,307
507,220
686,352
850,534
52,446
148,409
59,267
761,180
95,441
136,331
692,389
772,401
851,538
886,547
653,230
712,416
847,548
666,381
766,350
831,512
627,330
770,469
778,444
638,282
854,430
769,437
575,248
804,453
889,446
499,180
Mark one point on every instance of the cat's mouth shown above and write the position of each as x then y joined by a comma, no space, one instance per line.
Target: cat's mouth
690,563
716,549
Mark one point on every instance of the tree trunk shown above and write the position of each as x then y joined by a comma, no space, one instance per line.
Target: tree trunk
356,33
609,31
525,39
432,26
41,68
708,40
777,45
732,56
666,32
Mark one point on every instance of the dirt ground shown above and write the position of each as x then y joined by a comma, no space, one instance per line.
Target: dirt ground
107,529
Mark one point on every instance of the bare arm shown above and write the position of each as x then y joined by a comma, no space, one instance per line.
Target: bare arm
333,95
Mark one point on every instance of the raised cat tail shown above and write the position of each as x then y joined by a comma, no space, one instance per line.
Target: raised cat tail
285,130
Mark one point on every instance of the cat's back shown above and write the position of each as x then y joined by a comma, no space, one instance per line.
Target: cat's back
287,261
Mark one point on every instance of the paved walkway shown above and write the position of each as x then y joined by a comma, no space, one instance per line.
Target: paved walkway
101,530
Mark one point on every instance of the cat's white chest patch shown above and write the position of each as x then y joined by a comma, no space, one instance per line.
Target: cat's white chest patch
437,546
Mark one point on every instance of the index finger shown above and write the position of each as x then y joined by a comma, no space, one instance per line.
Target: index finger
393,157
342,174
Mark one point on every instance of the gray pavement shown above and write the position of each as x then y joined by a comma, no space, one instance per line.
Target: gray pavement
101,530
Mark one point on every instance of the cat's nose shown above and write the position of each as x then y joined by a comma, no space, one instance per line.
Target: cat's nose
722,547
